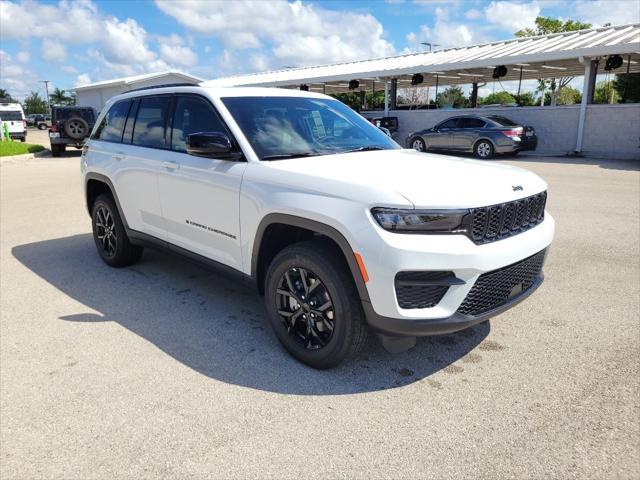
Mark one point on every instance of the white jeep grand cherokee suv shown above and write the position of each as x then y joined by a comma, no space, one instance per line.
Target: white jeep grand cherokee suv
341,230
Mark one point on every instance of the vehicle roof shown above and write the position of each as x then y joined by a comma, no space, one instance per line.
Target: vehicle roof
10,106
481,117
220,92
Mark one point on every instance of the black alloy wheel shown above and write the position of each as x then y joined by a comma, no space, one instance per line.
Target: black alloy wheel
106,231
305,308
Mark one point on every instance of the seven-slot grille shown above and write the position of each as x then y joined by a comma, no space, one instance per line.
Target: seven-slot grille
494,289
507,219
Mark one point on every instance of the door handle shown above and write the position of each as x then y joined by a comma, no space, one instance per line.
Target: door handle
170,165
118,156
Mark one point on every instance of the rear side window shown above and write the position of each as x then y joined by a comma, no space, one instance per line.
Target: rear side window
149,129
112,125
193,115
471,123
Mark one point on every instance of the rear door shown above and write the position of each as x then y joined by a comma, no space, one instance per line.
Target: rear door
134,168
200,197
468,132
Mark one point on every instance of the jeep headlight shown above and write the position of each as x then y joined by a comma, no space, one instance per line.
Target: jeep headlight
421,221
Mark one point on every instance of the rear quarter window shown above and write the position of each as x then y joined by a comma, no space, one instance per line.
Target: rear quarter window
112,125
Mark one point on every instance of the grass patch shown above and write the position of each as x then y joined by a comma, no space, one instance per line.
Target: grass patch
18,148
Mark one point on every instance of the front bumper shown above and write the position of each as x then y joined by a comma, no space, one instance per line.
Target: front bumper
440,326
453,253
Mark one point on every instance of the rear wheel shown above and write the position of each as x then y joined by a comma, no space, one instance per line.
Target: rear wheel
418,144
483,149
313,305
110,236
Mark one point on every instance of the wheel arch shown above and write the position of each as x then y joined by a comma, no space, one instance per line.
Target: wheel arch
96,184
271,237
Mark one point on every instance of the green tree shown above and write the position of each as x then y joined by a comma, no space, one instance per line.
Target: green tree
498,98
33,103
4,94
526,99
59,97
567,96
452,97
627,85
605,93
548,26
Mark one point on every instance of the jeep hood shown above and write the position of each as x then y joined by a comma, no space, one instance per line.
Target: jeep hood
426,180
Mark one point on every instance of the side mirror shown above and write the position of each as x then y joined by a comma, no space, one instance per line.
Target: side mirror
212,145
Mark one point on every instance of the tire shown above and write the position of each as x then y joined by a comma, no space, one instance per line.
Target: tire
417,143
42,126
23,139
57,149
341,333
110,236
76,128
483,149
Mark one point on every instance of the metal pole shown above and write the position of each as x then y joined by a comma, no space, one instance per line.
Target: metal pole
46,89
583,103
626,81
386,98
519,85
435,97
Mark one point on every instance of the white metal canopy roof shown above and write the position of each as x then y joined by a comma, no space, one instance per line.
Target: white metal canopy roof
543,56
138,78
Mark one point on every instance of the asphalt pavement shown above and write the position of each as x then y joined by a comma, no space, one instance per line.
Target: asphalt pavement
164,369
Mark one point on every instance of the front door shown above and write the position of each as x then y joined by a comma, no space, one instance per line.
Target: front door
199,196
442,135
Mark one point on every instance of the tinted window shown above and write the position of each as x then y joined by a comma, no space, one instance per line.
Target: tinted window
110,129
10,115
283,127
65,113
451,123
193,115
149,129
471,123
505,122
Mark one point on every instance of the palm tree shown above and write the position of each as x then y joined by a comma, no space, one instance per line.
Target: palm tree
59,97
4,94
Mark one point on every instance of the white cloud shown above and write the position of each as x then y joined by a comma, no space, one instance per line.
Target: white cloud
23,57
444,34
53,51
296,33
599,12
69,69
473,14
512,16
15,77
82,79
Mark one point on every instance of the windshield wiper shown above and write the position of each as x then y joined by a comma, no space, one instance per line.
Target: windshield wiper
366,148
284,156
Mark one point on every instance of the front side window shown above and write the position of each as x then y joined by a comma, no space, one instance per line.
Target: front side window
193,115
451,123
149,128
288,127
111,126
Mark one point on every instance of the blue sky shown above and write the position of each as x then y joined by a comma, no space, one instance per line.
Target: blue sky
76,42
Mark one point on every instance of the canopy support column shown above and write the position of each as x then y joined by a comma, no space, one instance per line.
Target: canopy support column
587,96
386,98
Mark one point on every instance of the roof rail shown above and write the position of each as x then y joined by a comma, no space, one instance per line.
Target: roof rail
185,84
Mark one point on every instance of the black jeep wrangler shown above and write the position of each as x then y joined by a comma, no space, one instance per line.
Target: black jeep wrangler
70,126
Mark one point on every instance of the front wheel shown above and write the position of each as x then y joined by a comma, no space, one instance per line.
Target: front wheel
313,305
418,144
483,149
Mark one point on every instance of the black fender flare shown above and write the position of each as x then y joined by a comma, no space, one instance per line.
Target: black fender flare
107,181
314,226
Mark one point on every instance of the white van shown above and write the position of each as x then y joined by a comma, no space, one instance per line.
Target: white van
12,115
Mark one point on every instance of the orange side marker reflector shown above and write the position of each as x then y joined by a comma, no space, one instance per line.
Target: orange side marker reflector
363,270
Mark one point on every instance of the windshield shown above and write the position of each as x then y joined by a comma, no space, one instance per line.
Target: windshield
289,127
505,122
10,115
